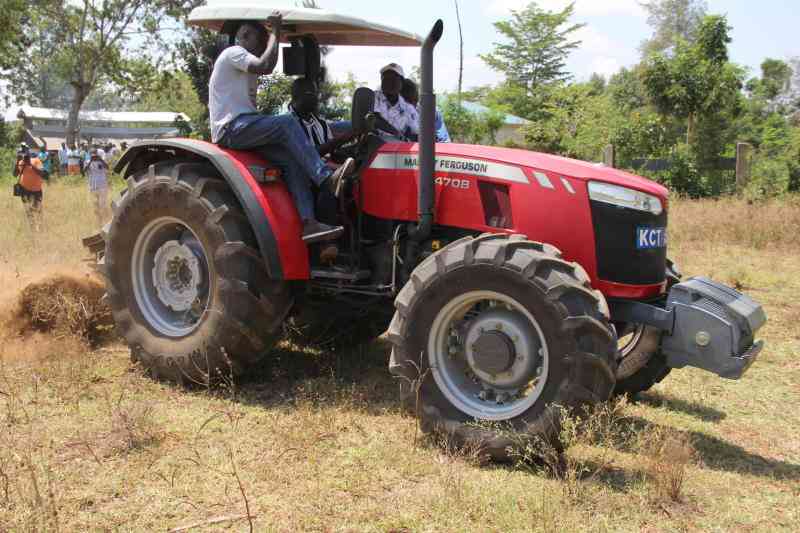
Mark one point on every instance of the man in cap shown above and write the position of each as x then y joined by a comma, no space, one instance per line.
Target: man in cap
391,105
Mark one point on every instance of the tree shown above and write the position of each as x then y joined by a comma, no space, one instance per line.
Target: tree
94,44
11,18
672,21
538,45
697,81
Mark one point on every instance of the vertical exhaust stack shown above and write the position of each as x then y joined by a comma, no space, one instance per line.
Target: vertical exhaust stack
427,137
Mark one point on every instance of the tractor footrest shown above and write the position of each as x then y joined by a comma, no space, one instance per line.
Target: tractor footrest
340,274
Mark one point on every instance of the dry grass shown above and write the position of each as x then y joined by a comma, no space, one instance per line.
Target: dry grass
737,222
668,455
318,442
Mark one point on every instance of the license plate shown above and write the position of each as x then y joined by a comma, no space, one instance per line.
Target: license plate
651,238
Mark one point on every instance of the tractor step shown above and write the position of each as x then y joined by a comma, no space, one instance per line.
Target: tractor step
340,274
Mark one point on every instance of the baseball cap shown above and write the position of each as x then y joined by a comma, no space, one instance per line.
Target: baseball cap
394,67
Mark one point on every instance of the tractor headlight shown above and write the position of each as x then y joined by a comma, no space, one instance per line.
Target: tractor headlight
624,197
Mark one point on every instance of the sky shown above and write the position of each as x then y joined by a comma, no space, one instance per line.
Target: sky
611,39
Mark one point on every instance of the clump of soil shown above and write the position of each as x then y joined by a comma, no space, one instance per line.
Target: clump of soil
65,306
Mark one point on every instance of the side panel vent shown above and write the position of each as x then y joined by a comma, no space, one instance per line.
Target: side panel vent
496,205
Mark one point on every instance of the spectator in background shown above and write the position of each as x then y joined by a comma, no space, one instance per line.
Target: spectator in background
74,161
46,161
30,179
97,172
411,94
63,159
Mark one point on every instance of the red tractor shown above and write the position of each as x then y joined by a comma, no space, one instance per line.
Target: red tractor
522,282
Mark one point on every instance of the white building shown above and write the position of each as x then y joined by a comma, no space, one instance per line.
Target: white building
50,125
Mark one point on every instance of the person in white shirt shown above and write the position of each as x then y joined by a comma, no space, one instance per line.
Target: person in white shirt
237,124
96,170
393,108
63,159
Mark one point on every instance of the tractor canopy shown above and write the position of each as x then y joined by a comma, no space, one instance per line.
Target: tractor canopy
328,28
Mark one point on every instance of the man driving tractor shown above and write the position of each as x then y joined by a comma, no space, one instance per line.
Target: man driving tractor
236,123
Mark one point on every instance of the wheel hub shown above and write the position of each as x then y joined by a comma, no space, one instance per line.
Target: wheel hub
501,350
489,355
494,353
176,276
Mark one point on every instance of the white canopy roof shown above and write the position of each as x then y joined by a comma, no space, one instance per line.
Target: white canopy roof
329,28
15,113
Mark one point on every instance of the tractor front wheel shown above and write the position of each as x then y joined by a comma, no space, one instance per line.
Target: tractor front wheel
501,330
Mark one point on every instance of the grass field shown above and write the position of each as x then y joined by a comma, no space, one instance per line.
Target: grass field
319,442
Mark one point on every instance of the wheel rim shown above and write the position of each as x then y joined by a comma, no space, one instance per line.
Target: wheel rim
488,355
171,277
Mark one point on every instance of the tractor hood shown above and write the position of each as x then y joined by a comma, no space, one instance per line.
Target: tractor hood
554,164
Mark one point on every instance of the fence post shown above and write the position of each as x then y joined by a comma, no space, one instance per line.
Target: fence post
610,156
744,162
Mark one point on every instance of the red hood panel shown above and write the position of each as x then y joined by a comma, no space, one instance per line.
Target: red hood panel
545,162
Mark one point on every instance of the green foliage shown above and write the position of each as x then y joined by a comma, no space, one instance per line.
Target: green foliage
274,92
7,159
11,43
672,21
5,139
471,128
627,90
642,134
770,177
682,176
537,47
698,81
89,46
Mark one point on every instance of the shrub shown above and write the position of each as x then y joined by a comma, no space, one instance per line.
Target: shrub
770,177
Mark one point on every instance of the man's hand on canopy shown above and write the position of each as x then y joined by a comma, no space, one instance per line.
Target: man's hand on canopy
275,21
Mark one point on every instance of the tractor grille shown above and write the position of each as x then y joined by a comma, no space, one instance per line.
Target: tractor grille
618,258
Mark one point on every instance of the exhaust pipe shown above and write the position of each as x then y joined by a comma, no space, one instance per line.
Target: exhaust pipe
427,139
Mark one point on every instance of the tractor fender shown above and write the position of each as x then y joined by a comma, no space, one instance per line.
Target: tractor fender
268,206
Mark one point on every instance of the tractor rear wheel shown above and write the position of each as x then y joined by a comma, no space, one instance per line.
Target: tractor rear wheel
188,288
500,329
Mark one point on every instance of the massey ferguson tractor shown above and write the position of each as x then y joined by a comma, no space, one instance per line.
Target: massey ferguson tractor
522,283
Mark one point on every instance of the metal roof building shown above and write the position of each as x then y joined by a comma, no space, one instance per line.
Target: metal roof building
49,125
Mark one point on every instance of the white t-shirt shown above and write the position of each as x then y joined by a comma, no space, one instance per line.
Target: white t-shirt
232,89
403,116
98,176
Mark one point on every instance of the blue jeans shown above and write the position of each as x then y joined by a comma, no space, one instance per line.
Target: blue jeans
282,141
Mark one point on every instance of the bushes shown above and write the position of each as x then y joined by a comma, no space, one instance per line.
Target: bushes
769,177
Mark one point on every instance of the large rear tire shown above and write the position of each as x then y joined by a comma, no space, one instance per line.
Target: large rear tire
187,286
501,329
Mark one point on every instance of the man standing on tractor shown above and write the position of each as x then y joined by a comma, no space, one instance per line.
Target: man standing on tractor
392,107
236,123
